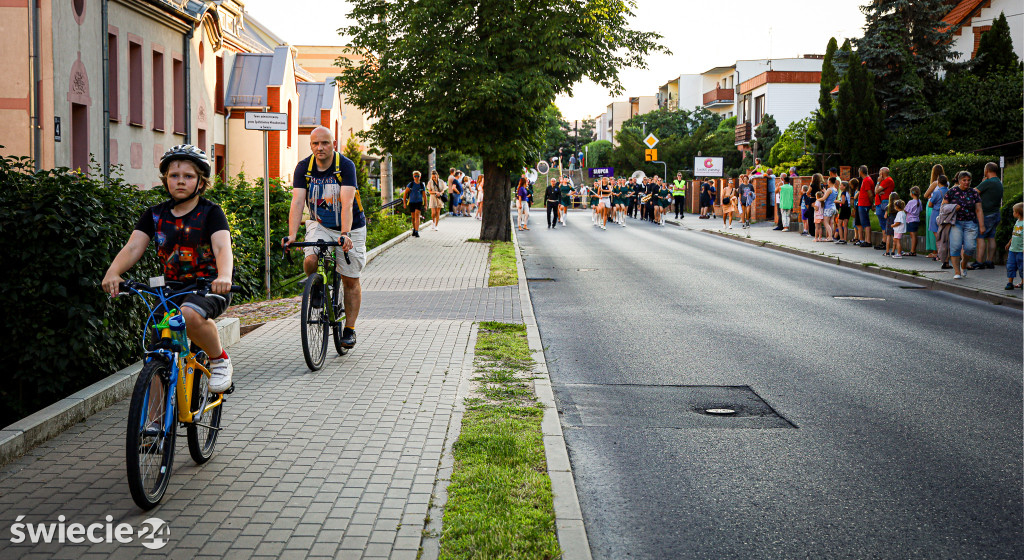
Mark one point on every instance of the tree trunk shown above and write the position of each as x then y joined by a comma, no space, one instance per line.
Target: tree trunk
497,218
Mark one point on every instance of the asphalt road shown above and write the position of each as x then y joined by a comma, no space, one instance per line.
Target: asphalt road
864,428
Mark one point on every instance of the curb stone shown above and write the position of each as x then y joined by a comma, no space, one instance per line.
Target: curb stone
928,283
572,534
39,427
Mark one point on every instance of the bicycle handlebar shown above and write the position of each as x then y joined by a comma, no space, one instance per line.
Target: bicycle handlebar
321,244
200,287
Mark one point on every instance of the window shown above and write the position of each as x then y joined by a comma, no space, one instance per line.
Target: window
178,73
758,109
289,131
158,91
80,138
201,141
218,91
135,82
112,99
79,8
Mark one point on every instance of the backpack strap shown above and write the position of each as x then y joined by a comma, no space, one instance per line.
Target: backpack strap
337,175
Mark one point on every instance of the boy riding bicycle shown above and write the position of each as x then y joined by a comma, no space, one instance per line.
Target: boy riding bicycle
193,242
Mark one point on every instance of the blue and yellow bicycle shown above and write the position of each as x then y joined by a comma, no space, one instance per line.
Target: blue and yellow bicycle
171,389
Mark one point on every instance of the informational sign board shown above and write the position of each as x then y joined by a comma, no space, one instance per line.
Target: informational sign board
708,166
56,129
266,121
594,172
844,172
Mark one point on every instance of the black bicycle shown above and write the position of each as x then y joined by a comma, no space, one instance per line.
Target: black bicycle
323,308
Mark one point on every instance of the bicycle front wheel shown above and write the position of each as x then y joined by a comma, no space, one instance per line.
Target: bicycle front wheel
337,295
314,322
202,432
149,448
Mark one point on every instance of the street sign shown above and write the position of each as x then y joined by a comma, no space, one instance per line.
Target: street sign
1002,161
651,141
593,172
266,121
650,155
708,166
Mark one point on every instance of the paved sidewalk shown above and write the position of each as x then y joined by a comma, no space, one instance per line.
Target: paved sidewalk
991,281
339,463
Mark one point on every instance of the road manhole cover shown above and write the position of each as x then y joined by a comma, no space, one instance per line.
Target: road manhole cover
668,406
586,269
540,279
859,298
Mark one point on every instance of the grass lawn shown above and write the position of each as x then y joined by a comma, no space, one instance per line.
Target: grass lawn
500,503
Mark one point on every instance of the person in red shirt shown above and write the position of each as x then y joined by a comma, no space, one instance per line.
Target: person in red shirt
882,191
864,203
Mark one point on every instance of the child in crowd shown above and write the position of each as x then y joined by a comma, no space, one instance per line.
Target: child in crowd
1015,249
819,216
899,227
890,219
806,210
914,217
843,217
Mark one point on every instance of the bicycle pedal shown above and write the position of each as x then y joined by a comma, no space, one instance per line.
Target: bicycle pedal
230,390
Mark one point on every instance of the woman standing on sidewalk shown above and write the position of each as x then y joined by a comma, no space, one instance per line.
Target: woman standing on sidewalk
728,204
932,210
934,204
480,197
435,190
523,202
970,221
829,210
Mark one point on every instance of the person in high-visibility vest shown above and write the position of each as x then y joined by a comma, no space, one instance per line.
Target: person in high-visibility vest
679,195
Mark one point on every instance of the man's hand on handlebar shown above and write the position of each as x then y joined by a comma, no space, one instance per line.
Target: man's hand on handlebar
285,242
346,243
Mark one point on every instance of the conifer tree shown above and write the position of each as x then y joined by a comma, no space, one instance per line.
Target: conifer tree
995,51
825,117
860,131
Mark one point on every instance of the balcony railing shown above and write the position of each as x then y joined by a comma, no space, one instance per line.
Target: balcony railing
718,96
744,133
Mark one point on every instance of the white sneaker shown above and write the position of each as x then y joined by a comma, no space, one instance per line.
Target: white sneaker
603,227
897,256
957,276
220,375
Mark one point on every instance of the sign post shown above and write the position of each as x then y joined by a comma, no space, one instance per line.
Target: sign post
266,122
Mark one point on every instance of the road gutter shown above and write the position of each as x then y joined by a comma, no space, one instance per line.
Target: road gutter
928,283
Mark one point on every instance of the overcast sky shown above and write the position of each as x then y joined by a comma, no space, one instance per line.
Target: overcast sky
700,36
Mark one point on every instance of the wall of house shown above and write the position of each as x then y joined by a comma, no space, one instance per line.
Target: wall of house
790,102
965,42
15,89
137,146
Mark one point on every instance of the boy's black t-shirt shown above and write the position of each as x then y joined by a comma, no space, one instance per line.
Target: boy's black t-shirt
183,243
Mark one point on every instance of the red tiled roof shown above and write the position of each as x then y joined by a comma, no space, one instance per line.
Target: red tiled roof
962,12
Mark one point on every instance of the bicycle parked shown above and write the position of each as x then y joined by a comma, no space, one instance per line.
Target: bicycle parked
171,389
323,306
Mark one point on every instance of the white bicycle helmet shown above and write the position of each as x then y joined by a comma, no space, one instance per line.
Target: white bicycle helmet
186,152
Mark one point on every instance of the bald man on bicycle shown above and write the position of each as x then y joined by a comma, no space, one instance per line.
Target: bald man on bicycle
325,183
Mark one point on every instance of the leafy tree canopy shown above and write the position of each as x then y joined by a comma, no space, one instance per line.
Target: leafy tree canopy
477,75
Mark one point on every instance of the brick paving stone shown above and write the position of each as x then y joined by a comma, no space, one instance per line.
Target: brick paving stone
334,463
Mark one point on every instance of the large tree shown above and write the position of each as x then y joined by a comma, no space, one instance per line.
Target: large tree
995,51
825,117
477,75
905,46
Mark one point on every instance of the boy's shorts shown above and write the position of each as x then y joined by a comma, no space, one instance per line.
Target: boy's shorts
357,254
208,307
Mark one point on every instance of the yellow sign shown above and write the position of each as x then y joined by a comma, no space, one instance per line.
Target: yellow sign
651,141
650,155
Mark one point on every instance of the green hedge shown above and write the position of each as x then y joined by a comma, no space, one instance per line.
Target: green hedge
59,231
916,171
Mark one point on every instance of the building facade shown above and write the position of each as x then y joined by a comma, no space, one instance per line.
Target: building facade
972,18
785,88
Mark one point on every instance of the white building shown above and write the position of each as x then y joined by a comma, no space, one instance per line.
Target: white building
786,88
972,18
681,92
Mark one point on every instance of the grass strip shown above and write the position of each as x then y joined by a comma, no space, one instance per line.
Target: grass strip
503,263
499,500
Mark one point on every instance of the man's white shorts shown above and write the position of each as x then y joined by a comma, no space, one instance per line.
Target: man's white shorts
357,254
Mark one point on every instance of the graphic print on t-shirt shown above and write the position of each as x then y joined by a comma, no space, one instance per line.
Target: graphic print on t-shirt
325,196
183,243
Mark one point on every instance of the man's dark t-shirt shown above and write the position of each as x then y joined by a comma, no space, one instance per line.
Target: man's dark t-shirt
991,191
183,243
415,192
324,194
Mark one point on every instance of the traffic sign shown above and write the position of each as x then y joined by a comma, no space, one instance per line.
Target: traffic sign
651,141
650,155
266,121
